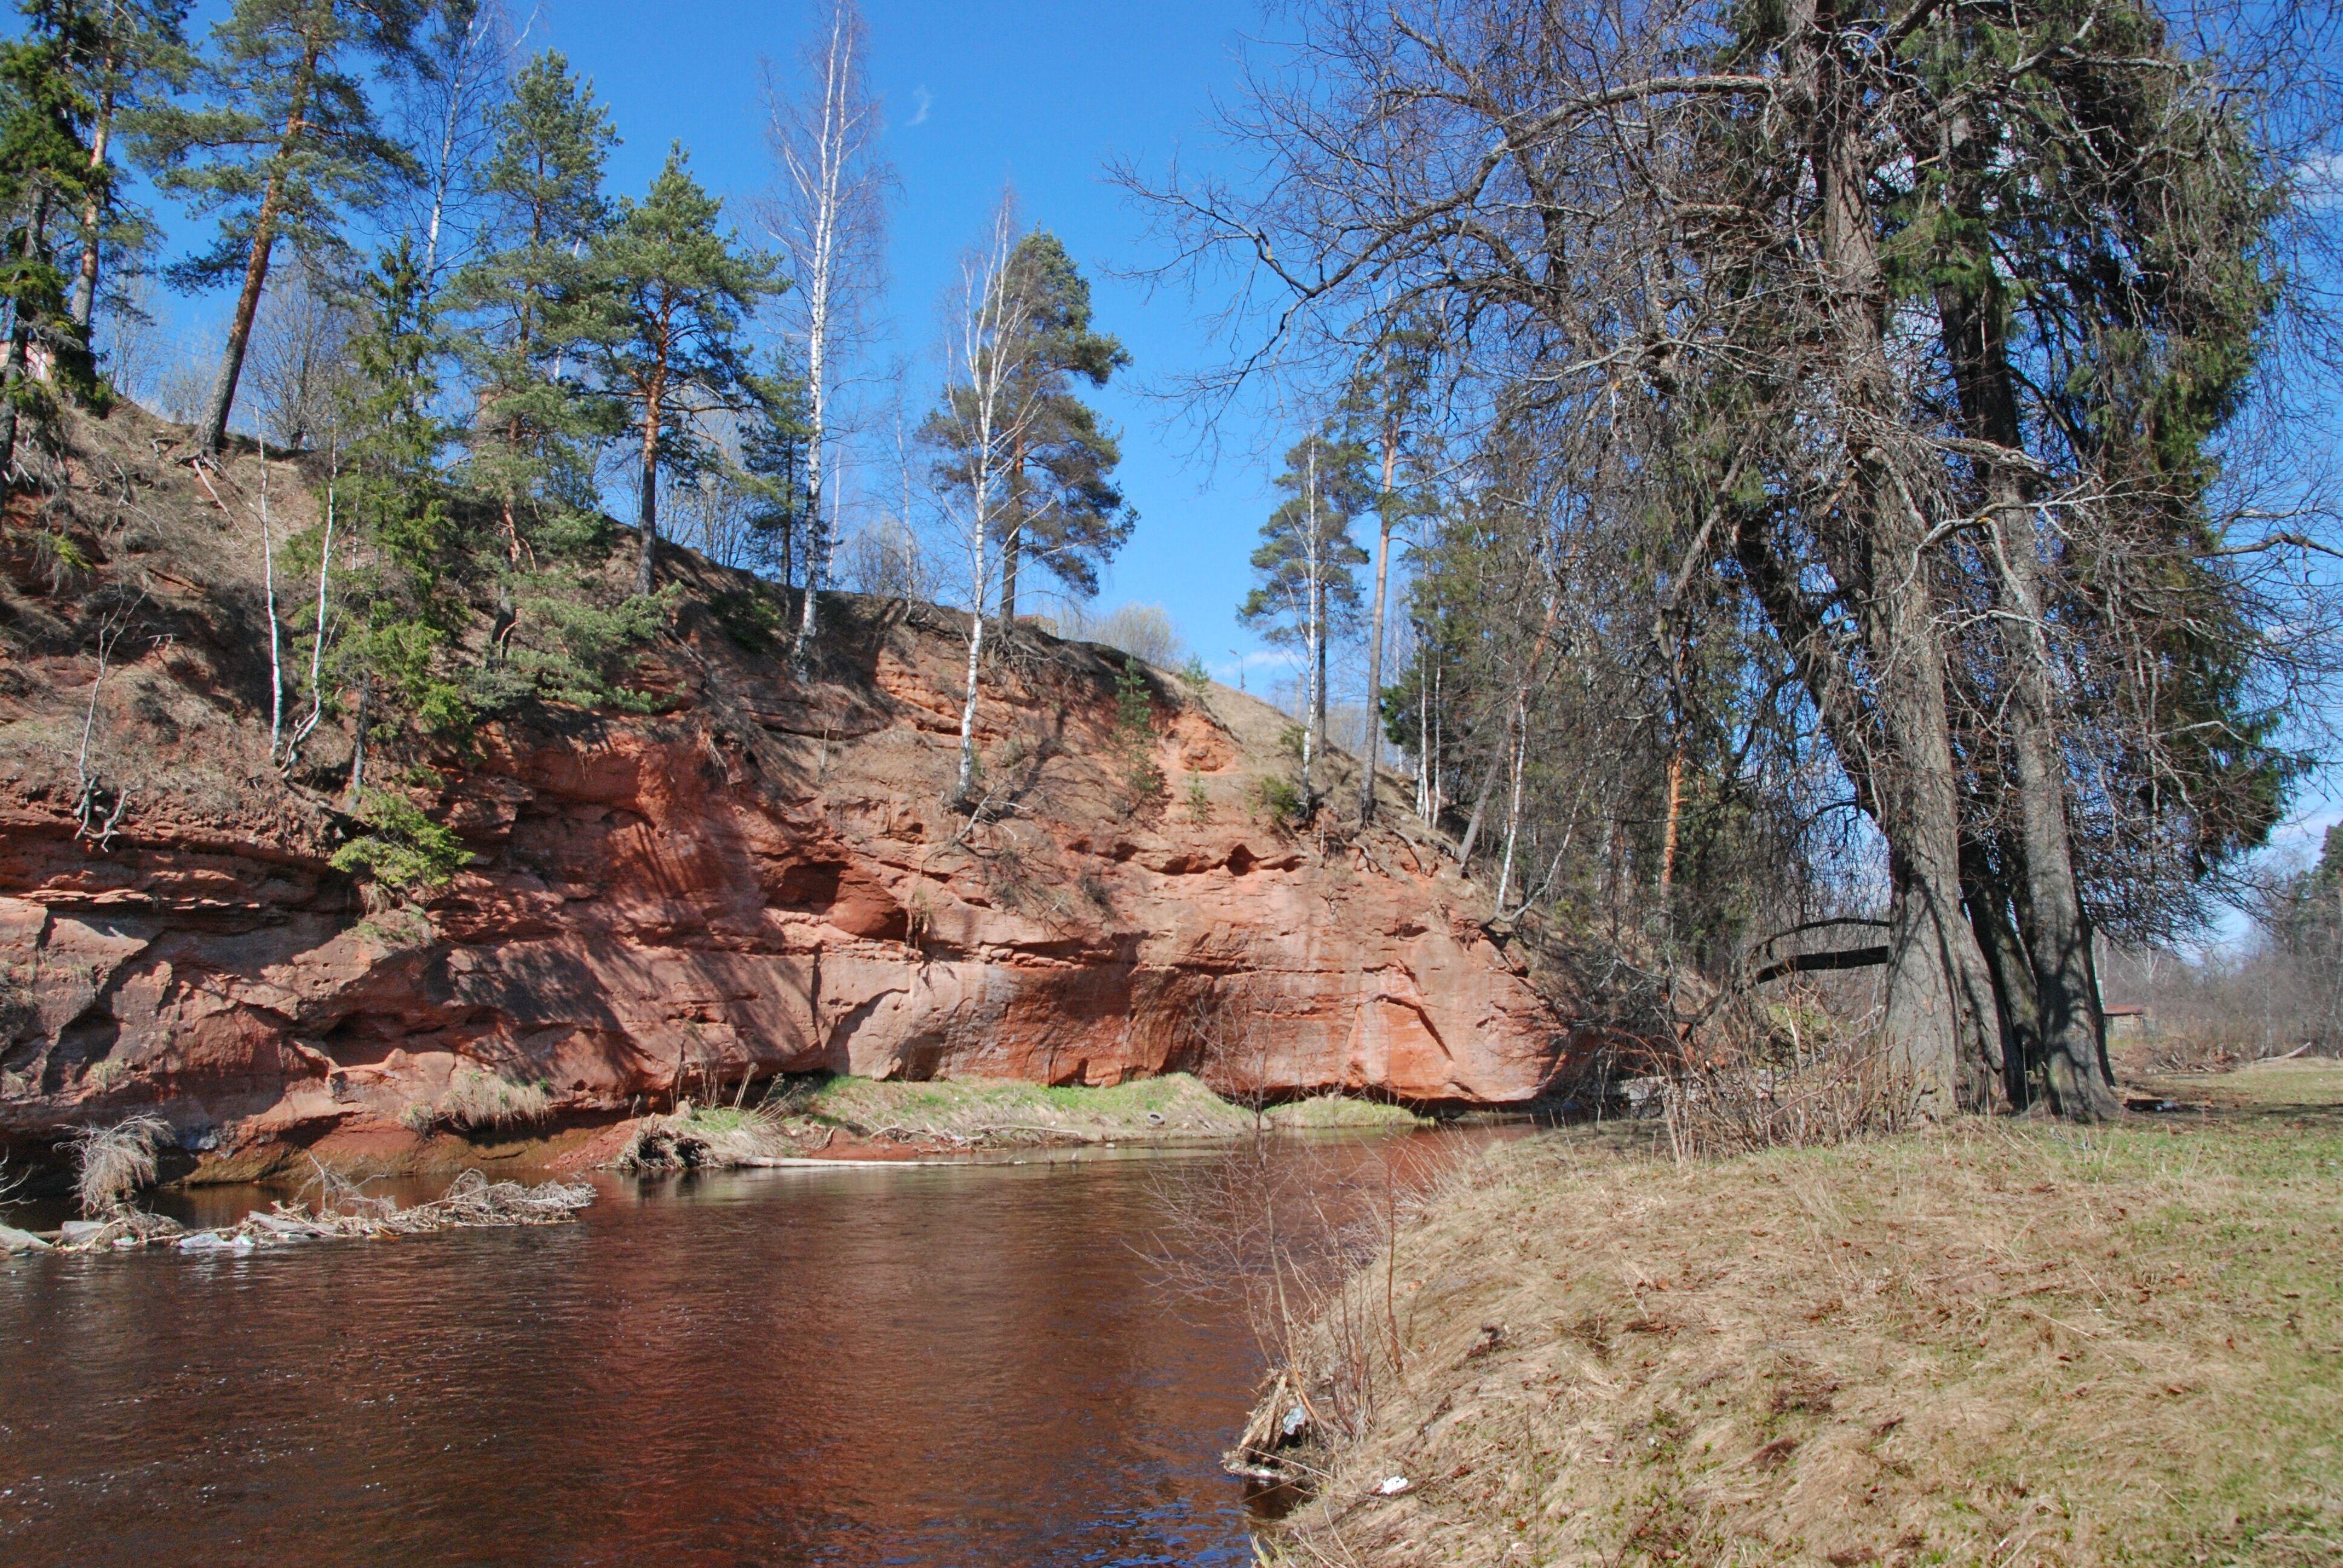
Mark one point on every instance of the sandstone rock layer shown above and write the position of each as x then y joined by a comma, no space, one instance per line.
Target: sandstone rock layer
762,879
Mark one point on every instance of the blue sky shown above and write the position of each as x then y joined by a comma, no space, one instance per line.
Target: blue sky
1039,93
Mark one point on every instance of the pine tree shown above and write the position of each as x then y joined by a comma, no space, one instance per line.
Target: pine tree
45,169
777,441
532,446
408,602
287,147
670,295
135,57
1306,562
1064,510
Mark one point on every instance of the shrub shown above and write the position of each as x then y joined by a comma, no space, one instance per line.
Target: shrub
1200,802
1134,731
476,1099
1281,799
114,1161
405,850
749,618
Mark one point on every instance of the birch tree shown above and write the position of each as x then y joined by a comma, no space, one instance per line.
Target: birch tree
827,214
984,418
464,60
1308,591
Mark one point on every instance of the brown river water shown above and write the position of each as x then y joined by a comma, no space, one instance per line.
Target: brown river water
929,1365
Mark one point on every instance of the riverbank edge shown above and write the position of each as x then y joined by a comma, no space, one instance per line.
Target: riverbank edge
1991,1341
814,1121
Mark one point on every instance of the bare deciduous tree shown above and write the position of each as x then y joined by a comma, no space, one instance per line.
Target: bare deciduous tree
1742,275
985,415
827,213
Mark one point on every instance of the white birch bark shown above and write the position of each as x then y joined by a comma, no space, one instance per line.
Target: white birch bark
269,591
827,214
992,408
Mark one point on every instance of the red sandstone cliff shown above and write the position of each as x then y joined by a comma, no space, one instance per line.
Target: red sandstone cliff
762,878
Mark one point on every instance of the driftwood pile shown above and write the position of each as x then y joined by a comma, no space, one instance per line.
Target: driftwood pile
342,1209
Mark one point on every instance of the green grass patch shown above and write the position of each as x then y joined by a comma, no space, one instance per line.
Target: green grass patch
1336,1111
1172,1106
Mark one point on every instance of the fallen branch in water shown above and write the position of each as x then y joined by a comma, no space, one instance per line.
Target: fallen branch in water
345,1210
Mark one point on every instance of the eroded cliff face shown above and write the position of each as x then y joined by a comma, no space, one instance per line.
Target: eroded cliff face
763,878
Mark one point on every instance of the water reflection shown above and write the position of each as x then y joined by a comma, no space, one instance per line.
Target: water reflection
930,1366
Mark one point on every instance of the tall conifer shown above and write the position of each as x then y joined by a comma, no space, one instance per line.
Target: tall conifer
135,54
545,177
1063,508
671,295
43,170
287,147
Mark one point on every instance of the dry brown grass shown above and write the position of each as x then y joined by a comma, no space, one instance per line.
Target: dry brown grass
477,1099
1996,1344
113,1163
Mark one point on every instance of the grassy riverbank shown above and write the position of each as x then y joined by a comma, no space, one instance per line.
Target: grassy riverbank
2006,1343
837,1117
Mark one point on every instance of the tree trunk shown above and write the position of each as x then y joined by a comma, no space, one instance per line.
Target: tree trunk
84,294
1675,813
1425,678
268,597
1012,535
1520,727
818,389
964,790
2057,938
647,501
2015,1002
12,369
1318,680
1372,745
213,431
1898,755
1938,992
1310,695
358,739
1480,817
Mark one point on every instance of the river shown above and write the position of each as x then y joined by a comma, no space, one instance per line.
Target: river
935,1366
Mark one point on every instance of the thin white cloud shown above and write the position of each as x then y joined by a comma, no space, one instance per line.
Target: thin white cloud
925,101
2319,181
